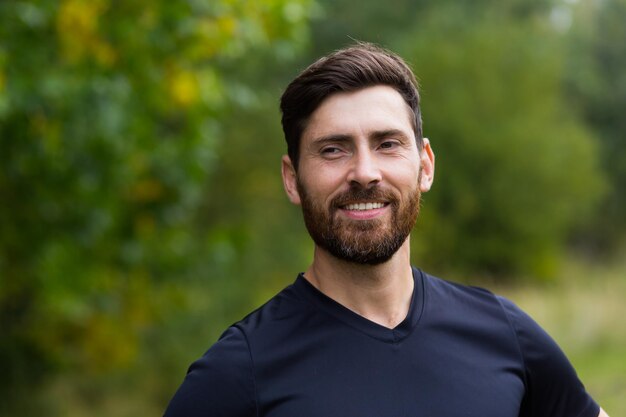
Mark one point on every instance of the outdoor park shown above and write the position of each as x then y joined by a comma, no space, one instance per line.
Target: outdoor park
142,209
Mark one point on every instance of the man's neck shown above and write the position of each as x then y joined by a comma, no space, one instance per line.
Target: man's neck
380,293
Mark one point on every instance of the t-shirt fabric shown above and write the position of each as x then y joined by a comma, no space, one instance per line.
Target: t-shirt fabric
460,352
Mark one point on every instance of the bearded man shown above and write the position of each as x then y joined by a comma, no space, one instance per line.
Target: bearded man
361,333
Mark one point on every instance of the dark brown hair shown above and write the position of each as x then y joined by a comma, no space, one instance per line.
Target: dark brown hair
350,69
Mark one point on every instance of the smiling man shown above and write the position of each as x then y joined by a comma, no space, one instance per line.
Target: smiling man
361,333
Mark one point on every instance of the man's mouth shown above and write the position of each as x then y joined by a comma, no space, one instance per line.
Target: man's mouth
364,206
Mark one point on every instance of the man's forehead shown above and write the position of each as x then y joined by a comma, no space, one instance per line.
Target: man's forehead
371,111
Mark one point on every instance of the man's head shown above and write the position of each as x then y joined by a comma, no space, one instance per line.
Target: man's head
361,169
346,70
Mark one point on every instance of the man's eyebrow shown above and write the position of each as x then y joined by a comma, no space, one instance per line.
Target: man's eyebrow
343,138
382,134
334,138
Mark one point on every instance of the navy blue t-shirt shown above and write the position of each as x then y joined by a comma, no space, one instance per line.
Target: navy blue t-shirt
461,351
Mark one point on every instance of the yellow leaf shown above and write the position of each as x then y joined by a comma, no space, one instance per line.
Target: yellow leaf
77,26
183,87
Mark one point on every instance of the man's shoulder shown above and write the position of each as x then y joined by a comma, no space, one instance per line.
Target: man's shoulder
450,289
465,301
267,322
284,307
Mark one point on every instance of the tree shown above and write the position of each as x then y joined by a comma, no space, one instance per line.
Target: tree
516,171
596,84
109,121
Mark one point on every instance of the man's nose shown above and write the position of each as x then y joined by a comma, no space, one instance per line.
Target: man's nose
364,170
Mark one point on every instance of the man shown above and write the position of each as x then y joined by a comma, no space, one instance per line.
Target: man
361,333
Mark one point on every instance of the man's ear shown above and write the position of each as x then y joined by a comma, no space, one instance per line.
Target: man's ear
427,161
290,181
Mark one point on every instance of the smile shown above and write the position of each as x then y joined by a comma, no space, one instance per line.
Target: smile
364,206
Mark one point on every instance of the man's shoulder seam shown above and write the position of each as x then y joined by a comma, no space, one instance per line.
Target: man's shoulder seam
252,367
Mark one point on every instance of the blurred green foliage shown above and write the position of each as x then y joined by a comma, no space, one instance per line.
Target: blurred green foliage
516,168
596,83
142,208
109,120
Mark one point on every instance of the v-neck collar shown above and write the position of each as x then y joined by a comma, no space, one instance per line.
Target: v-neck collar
349,317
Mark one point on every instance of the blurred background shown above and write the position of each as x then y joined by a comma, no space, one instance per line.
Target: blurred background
141,206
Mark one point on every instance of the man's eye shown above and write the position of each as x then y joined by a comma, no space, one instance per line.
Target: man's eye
330,150
388,145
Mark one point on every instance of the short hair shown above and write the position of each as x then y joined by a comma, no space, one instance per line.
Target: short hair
346,70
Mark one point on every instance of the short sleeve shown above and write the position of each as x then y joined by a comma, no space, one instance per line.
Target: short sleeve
552,386
220,384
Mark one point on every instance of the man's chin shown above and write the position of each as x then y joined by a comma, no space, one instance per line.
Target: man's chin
363,247
361,229
363,258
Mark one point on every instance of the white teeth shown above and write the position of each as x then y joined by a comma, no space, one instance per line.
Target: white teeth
364,206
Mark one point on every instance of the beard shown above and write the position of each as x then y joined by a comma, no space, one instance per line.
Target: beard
372,241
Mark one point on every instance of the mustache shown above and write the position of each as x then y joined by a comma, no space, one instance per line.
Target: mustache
358,194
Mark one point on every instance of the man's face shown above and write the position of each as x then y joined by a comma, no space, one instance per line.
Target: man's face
360,175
